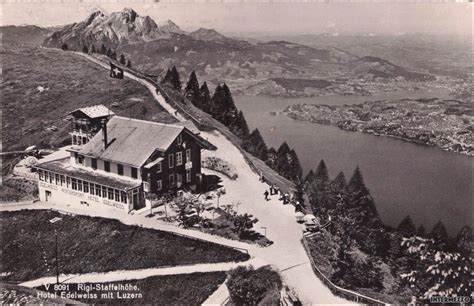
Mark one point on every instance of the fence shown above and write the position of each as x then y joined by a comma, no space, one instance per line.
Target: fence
339,291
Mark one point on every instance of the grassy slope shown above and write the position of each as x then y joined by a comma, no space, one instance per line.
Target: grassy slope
182,289
72,82
90,244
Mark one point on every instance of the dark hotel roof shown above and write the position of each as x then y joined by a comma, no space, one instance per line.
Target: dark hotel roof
133,141
63,166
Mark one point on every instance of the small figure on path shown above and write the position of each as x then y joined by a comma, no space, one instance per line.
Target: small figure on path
266,195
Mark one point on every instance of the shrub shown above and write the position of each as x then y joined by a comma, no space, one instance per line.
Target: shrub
248,286
221,166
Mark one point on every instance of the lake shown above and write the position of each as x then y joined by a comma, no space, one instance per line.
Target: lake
405,178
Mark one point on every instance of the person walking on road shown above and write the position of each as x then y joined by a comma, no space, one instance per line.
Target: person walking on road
266,195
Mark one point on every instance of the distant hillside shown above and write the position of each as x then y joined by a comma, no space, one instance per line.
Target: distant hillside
155,46
29,35
40,86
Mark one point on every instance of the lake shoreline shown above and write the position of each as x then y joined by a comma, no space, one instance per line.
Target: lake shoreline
380,135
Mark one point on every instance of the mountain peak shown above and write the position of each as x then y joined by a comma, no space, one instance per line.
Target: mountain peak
129,14
207,34
169,26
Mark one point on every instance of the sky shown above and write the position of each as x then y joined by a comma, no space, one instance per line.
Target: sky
268,18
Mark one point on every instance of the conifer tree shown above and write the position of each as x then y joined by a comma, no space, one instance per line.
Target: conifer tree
64,47
85,49
103,49
239,126
255,145
440,235
421,232
271,158
464,240
122,59
282,162
217,104
294,167
113,55
309,177
93,50
109,53
360,198
167,77
337,195
406,227
192,89
318,189
175,80
205,98
129,63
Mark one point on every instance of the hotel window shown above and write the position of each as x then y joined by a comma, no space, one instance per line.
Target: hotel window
104,192
68,181
159,185
80,159
179,179
86,187
171,179
94,163
51,177
111,193
179,158
92,188
46,176
79,185
123,197
106,166
120,169
98,191
188,155
117,195
74,184
180,139
63,180
170,161
56,179
158,167
188,175
40,175
134,172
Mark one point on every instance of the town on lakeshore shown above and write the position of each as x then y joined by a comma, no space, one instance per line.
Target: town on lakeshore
224,153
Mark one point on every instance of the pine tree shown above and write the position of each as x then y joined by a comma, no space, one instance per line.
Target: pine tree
296,172
230,111
205,98
309,177
318,189
192,89
103,49
175,80
440,235
282,158
109,53
129,63
85,49
337,195
406,227
167,77
64,47
239,126
113,55
93,50
271,158
339,183
360,198
122,59
421,232
255,145
464,240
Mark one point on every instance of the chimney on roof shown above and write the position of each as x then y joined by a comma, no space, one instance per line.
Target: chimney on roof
104,132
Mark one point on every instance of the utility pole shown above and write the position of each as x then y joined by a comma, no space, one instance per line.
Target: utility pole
57,261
